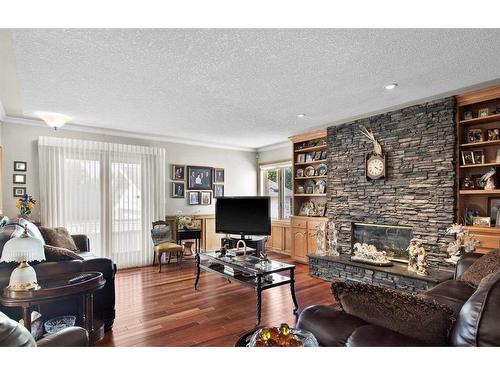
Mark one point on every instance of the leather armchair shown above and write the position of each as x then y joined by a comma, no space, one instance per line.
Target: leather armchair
477,314
14,334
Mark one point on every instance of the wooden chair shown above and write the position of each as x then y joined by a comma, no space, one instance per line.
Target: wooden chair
161,235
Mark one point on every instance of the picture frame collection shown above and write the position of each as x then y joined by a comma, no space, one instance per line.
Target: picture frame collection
19,178
203,183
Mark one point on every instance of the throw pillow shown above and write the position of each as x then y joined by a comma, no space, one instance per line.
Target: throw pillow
482,267
58,254
405,313
58,237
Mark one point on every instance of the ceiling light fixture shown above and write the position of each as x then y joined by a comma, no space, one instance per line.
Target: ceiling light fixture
52,119
391,86
300,115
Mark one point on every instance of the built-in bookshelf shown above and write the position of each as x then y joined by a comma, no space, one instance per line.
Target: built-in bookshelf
478,152
310,174
310,170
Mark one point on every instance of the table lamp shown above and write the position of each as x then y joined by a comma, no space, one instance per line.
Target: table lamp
23,249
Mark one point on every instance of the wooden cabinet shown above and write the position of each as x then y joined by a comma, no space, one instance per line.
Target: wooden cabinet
299,244
304,236
210,239
489,238
280,239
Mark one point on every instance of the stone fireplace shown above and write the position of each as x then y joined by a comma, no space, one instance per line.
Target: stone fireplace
419,192
393,239
416,200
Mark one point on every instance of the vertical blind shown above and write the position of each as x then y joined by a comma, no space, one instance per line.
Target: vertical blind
110,192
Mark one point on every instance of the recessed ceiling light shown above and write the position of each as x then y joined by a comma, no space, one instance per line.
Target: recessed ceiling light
391,86
300,115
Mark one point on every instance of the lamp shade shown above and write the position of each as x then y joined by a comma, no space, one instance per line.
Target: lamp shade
19,249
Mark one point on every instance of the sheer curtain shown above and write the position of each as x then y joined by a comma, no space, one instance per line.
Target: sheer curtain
111,192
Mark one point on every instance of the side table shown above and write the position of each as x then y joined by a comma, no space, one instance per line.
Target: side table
58,288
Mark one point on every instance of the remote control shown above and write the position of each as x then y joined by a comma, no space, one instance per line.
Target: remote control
79,279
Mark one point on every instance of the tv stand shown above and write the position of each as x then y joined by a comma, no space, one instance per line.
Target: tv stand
256,242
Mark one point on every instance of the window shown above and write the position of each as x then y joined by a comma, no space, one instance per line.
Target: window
276,182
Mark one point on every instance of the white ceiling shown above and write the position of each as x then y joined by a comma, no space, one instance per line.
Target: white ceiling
240,87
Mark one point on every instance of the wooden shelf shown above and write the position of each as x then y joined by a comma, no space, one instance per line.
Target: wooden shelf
480,192
310,178
310,195
315,148
492,230
312,162
481,165
481,120
480,144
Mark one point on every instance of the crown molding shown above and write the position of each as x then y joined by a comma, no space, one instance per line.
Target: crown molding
275,146
123,133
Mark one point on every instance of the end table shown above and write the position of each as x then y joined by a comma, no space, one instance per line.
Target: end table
58,288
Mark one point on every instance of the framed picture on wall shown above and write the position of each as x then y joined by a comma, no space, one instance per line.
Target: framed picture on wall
19,179
193,197
218,191
178,172
206,198
219,175
199,178
19,192
20,166
178,190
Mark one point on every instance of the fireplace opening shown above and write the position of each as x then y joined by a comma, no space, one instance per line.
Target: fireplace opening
393,239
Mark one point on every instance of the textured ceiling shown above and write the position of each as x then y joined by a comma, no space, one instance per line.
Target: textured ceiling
242,87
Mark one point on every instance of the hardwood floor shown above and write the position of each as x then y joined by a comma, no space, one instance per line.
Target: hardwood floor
163,309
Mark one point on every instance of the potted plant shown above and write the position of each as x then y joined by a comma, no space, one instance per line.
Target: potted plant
464,243
25,204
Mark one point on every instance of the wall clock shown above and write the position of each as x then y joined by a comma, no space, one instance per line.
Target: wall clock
375,167
375,163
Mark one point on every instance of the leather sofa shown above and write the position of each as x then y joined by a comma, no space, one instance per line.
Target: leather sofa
477,313
104,299
15,335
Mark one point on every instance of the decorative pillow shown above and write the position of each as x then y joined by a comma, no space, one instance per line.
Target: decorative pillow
482,267
58,237
405,313
58,254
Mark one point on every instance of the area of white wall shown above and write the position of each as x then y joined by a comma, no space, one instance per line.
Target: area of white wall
277,154
20,142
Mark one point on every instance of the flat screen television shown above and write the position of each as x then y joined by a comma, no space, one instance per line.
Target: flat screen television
243,215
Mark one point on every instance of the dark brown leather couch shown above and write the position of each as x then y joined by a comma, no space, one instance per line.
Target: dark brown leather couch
477,311
104,299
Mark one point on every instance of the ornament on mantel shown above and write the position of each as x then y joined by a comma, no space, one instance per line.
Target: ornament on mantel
332,235
320,235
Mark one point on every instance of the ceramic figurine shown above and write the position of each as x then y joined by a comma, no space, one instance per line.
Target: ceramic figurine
413,250
422,262
320,234
463,243
488,177
332,239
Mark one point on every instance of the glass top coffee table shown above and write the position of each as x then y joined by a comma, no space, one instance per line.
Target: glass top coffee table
250,271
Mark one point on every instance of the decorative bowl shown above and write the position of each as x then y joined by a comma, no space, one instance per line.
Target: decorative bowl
306,337
56,324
